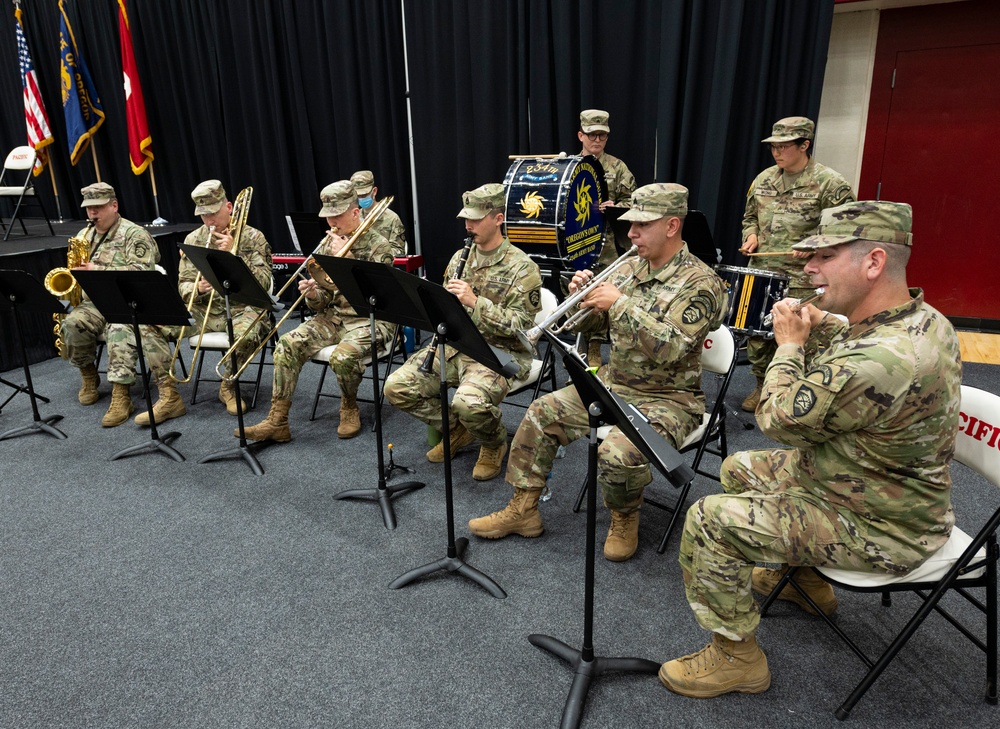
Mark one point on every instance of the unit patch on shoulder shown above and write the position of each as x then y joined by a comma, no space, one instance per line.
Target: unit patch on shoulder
698,308
822,374
535,297
141,249
803,401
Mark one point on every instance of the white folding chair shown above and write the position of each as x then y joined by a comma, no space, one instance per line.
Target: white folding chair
718,358
16,181
964,562
541,369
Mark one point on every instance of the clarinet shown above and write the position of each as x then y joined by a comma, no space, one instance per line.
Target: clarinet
428,362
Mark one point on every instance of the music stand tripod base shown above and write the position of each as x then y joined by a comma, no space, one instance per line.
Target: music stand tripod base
43,426
452,563
157,443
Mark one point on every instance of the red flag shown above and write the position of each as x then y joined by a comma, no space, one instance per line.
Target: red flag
35,117
139,141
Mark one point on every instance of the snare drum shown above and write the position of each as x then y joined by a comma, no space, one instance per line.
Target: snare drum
553,210
752,293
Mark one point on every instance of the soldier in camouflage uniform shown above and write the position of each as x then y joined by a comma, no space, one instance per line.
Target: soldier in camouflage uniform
501,289
334,321
593,135
870,423
388,223
215,211
784,204
660,309
115,243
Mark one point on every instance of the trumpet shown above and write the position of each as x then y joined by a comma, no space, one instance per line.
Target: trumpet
238,220
376,210
529,337
769,319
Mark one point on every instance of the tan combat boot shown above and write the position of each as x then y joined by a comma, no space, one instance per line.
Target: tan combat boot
459,437
274,426
764,581
752,400
721,667
350,418
623,536
227,396
120,408
168,405
520,516
88,394
490,459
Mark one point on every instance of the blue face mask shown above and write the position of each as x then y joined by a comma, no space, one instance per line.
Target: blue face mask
365,202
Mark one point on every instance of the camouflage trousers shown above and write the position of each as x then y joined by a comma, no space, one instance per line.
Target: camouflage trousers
560,417
352,337
762,517
156,340
79,333
760,351
476,403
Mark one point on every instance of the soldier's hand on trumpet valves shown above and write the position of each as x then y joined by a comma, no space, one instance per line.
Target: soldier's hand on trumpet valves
599,297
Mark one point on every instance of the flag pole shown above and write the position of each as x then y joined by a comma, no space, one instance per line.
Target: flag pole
55,190
156,201
93,153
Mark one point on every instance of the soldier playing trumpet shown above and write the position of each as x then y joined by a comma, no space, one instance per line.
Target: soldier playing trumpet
659,317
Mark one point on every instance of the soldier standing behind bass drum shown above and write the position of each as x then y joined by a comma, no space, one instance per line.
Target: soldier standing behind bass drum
115,243
593,135
501,289
784,204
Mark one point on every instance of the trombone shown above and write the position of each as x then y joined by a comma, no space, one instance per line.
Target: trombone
317,274
238,220
529,337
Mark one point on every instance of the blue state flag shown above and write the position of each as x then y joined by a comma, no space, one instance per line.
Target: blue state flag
81,103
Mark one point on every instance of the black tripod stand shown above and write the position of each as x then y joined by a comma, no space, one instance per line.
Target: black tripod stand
604,407
231,278
442,312
20,290
372,288
139,297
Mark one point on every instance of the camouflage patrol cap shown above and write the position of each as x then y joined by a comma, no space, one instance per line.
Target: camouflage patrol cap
659,200
363,181
337,198
100,193
209,197
875,220
594,120
791,128
478,203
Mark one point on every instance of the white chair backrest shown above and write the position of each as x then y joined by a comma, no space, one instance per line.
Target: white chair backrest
20,158
717,351
549,304
978,442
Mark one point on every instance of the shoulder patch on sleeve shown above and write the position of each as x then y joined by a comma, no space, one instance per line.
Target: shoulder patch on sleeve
535,297
822,374
842,194
803,402
141,249
698,308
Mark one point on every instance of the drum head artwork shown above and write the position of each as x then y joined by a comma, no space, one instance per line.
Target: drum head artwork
553,208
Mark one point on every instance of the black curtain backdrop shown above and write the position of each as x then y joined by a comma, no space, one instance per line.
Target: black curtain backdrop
283,95
289,95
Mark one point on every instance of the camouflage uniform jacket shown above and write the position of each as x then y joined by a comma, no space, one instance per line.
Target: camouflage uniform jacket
873,419
391,227
369,247
658,327
780,218
508,287
252,247
125,246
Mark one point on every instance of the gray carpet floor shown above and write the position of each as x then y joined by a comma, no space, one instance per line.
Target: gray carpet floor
148,593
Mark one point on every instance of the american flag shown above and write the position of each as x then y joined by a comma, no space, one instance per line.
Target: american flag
39,135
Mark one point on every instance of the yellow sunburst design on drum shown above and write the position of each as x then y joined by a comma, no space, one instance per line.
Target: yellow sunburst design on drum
532,205
583,202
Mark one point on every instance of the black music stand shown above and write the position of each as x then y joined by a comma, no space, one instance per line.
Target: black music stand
138,297
604,407
20,290
230,277
371,287
440,310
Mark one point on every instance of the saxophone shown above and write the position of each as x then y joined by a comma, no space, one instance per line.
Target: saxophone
61,283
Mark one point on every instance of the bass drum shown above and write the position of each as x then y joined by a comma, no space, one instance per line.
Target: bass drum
553,210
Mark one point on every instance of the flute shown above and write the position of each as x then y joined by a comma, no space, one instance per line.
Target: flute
769,319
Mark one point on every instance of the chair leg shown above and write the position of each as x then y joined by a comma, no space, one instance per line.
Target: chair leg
197,376
677,510
991,622
579,497
319,392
